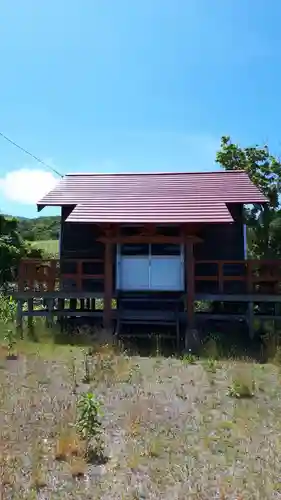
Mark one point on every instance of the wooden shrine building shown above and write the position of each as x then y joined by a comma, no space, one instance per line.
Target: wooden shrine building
156,243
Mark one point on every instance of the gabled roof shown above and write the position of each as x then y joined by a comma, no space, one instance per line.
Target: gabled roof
157,197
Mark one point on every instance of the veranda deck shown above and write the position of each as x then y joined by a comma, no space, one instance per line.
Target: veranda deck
76,288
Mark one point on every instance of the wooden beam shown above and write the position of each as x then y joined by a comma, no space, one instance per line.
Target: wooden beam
189,266
21,276
19,318
159,238
251,320
108,284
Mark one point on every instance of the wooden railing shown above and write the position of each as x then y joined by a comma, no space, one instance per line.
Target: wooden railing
216,276
257,276
52,274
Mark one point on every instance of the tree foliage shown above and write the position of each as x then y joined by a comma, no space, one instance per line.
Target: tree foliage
12,249
40,228
264,169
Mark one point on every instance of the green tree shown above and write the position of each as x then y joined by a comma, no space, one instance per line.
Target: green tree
12,249
264,170
40,228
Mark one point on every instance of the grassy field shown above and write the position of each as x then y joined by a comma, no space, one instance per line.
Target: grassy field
50,247
172,428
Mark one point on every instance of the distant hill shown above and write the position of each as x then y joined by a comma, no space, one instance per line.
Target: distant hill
40,228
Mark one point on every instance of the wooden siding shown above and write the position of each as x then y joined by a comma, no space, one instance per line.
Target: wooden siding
222,241
80,241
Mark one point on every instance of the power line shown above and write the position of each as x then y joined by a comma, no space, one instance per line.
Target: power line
30,154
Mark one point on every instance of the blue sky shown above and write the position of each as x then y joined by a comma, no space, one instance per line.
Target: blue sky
122,85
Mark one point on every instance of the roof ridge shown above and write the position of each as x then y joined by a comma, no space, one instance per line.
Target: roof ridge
73,174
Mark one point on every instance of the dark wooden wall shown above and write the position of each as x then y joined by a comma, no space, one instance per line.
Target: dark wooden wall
220,242
223,241
79,241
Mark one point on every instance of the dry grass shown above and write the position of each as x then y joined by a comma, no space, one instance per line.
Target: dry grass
68,445
171,430
49,247
243,383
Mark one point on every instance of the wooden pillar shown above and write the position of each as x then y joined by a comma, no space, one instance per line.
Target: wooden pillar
190,283
251,320
73,304
61,317
277,314
21,276
108,284
19,319
49,313
30,310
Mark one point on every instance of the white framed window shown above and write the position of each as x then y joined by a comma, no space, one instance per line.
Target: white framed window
158,267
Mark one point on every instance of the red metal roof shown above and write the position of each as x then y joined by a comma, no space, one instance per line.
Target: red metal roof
158,197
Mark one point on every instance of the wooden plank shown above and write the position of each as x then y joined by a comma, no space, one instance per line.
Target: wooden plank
88,261
240,262
108,284
93,276
234,278
51,275
73,304
147,315
223,278
63,294
149,239
83,276
255,262
206,278
228,297
41,313
49,313
21,273
30,309
47,261
172,300
251,320
190,283
265,279
201,316
19,317
145,335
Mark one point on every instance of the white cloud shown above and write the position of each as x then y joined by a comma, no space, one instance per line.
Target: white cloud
27,185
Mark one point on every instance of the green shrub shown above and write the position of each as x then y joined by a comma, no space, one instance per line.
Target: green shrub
189,358
7,309
89,424
10,339
212,365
